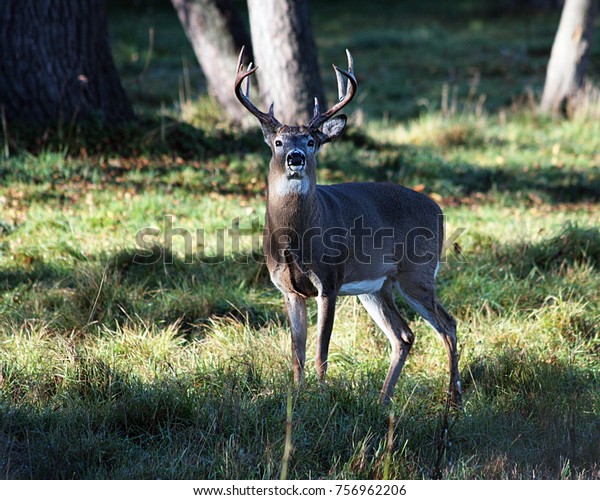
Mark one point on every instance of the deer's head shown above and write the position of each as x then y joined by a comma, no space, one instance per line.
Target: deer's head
294,148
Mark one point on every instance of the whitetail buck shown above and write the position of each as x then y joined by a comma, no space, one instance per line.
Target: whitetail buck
366,239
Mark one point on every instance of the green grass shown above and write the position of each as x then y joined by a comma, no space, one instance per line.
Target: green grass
170,362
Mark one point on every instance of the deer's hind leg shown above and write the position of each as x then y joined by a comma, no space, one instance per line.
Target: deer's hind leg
383,311
421,296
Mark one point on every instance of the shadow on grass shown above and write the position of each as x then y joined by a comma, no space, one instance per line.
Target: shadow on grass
573,246
524,418
412,165
530,417
237,162
152,137
146,154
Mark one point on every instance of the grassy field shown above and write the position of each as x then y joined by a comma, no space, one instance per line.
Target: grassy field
173,361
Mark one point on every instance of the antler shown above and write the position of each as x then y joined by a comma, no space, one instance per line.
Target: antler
244,95
344,97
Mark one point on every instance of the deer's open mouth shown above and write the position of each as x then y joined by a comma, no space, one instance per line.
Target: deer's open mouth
296,161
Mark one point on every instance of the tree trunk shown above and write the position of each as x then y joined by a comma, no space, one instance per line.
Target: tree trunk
569,56
217,34
56,66
285,51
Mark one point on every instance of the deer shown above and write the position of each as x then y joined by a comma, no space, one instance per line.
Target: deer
368,239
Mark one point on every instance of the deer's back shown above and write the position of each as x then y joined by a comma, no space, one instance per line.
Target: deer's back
380,204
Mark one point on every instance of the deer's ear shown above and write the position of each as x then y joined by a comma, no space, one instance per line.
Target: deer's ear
334,127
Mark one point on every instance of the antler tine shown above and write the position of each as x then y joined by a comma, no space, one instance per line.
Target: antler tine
244,97
239,66
344,96
340,84
316,109
350,61
340,81
350,67
247,90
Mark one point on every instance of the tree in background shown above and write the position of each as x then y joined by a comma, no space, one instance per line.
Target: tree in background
217,33
284,49
56,66
565,75
282,43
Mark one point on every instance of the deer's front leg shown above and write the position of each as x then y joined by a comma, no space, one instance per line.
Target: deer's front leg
326,313
296,311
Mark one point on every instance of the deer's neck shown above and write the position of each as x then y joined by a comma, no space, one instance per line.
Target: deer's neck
292,205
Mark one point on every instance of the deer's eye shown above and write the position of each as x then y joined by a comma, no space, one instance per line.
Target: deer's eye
278,143
311,143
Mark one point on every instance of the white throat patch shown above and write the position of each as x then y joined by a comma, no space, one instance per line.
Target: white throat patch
284,186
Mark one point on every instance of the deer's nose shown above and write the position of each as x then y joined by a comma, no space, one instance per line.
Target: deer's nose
296,160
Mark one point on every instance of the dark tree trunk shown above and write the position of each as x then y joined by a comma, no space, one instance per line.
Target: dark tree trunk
568,60
56,65
284,49
217,34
